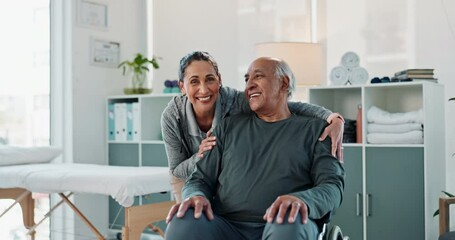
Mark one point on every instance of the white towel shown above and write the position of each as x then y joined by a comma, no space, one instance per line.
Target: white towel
377,115
395,128
339,75
358,75
413,137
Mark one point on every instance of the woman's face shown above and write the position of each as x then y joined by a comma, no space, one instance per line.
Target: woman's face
202,85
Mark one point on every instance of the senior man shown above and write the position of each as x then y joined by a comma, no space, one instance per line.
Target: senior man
268,176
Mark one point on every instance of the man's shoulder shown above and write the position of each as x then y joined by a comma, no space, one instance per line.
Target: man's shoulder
237,117
316,124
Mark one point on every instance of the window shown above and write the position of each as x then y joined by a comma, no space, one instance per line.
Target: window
24,95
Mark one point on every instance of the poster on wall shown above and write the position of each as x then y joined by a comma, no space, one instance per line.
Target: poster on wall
92,14
104,53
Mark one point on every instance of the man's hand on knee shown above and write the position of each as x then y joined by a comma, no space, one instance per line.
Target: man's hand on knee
199,203
280,207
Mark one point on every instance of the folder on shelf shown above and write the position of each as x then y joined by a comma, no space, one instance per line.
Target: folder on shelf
120,121
136,122
129,122
111,122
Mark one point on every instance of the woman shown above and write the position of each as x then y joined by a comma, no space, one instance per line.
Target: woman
187,121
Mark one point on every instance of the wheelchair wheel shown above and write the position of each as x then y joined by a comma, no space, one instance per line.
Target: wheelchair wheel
336,234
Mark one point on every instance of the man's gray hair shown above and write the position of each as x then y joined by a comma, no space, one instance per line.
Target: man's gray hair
283,70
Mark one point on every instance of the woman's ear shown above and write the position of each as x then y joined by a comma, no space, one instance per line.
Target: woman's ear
182,88
219,77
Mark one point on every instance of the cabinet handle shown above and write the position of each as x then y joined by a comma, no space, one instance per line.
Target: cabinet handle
368,205
358,211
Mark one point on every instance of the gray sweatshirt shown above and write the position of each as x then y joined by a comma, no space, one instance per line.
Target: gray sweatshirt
182,135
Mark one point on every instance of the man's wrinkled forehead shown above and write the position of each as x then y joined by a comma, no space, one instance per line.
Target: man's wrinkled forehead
262,65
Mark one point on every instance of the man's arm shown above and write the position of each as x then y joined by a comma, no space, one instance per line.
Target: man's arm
314,203
203,180
200,187
328,176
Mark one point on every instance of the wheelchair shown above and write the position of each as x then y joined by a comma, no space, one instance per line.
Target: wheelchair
333,234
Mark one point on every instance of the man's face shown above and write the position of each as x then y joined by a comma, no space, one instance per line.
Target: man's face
262,87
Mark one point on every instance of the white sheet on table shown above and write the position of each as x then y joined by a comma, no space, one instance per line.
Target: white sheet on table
122,183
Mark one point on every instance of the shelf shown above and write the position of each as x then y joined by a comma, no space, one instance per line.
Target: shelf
380,178
394,145
123,142
152,142
144,148
137,96
352,145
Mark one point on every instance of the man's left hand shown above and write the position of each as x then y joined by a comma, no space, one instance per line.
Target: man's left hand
335,132
281,205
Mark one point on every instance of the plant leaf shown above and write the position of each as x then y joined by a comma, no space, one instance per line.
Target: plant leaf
436,213
448,194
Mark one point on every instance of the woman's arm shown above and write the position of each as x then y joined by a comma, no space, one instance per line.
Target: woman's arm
309,110
334,130
336,122
237,103
181,162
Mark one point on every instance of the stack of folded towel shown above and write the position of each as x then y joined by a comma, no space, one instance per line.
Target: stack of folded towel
394,128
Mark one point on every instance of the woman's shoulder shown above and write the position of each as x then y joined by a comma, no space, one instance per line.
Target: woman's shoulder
232,100
174,107
230,93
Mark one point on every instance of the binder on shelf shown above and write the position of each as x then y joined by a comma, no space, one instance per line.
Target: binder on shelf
120,121
129,122
136,122
111,122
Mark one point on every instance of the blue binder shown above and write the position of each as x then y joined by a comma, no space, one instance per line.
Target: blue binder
129,122
111,122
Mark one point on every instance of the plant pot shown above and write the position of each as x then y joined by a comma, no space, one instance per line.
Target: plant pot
129,91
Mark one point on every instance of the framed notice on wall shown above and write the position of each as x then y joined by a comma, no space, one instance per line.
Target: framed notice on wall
104,53
92,14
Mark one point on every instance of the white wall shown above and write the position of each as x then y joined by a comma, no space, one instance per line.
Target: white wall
90,85
180,27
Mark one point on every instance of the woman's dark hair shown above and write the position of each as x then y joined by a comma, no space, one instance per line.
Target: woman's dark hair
196,56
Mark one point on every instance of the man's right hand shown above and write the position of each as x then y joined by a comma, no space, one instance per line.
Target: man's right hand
199,203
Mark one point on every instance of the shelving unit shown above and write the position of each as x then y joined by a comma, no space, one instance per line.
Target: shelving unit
391,190
147,150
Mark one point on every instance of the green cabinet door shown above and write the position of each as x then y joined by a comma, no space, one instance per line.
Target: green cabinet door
395,193
349,215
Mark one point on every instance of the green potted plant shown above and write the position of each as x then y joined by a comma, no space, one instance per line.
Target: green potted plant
138,68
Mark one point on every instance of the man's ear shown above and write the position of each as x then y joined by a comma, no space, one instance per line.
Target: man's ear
182,89
285,83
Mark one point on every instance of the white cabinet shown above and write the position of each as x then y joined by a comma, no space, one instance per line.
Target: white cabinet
143,144
391,190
